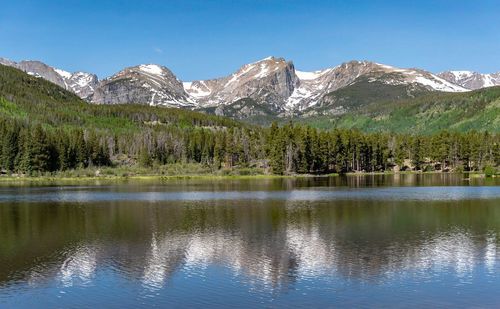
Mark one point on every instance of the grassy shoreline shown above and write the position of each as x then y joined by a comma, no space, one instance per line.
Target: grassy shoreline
143,177
209,176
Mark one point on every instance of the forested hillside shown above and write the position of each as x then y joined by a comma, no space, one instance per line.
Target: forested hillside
430,113
44,128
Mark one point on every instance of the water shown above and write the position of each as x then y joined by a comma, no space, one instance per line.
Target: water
370,241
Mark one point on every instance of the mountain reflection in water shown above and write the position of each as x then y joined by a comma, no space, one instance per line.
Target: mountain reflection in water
259,246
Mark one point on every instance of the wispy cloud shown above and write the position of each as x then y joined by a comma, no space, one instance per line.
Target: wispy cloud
158,50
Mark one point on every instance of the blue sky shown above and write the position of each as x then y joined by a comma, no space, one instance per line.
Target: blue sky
199,39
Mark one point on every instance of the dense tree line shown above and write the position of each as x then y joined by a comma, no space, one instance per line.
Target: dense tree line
30,148
303,149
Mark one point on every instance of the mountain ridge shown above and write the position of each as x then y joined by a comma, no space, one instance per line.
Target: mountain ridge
81,83
368,107
471,80
272,83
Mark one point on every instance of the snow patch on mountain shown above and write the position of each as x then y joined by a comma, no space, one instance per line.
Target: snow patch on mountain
259,69
302,75
489,81
83,79
34,74
197,90
151,69
63,73
438,84
462,74
390,68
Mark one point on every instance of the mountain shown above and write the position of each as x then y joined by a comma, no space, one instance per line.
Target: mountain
367,104
267,89
143,84
37,100
367,90
272,86
315,87
270,81
471,80
80,83
275,83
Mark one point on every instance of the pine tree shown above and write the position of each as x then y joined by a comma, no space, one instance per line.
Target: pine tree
9,148
276,148
417,154
145,159
40,150
24,161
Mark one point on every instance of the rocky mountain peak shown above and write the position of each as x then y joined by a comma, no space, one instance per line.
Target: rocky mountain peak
7,62
313,86
270,85
40,69
143,84
258,70
81,83
268,81
471,80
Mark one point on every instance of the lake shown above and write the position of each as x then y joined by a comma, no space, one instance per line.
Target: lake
354,241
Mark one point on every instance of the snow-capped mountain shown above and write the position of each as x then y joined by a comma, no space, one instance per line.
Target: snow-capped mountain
270,81
471,80
271,85
275,82
143,84
81,83
315,85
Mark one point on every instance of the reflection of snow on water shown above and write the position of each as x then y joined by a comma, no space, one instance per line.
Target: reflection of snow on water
154,273
314,255
213,248
490,255
304,252
256,264
449,193
454,250
80,265
164,257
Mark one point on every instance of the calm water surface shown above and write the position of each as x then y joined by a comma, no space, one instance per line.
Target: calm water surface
370,241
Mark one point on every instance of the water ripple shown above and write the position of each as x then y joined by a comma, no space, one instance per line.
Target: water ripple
387,194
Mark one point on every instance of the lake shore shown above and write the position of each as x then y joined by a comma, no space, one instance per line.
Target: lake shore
93,176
